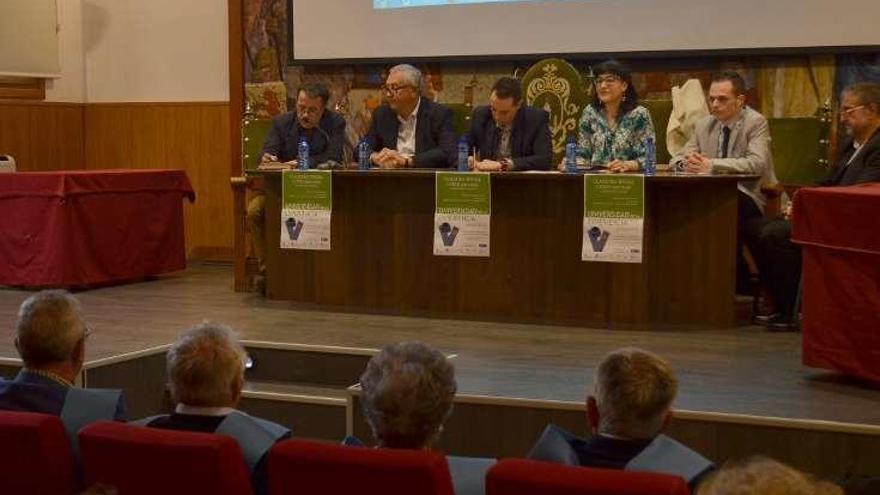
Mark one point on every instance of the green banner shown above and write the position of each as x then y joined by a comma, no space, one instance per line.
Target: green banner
614,196
464,193
304,190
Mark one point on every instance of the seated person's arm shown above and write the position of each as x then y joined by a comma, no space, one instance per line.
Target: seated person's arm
442,155
542,151
680,159
643,128
274,142
336,139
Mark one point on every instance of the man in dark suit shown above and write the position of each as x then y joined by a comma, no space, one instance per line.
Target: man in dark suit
51,338
206,372
858,162
323,129
409,130
509,135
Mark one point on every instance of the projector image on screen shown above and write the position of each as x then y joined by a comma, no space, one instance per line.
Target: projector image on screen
396,4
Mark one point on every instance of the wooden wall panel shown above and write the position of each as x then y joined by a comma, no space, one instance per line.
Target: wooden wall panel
43,136
189,136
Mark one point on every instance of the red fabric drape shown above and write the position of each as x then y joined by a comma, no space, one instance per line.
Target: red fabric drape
839,231
79,228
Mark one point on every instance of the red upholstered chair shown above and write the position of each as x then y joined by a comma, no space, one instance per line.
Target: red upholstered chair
302,467
35,456
525,477
137,460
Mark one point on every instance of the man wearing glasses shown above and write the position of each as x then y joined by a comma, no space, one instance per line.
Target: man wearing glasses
858,162
50,336
323,129
734,139
408,130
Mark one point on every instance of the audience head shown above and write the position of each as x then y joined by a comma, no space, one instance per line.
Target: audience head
407,395
505,100
727,95
311,99
763,476
402,88
632,396
51,333
860,109
614,86
206,367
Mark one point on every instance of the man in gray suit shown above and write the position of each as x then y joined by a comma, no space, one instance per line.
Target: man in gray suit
734,139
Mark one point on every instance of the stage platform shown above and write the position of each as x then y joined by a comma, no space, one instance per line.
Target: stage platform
743,376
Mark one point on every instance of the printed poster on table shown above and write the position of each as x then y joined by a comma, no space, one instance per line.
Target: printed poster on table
463,205
614,218
306,205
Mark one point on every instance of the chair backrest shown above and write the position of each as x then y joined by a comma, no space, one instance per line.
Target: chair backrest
800,149
526,477
139,460
35,455
556,86
303,467
253,135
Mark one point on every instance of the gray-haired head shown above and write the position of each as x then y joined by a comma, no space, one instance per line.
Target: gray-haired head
50,329
206,366
866,93
761,475
408,390
634,390
411,75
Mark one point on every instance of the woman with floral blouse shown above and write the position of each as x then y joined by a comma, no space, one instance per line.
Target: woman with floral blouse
613,128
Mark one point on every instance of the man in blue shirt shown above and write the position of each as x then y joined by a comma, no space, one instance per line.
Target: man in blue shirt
51,337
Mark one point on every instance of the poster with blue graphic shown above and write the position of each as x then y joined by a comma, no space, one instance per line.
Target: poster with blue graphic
614,218
462,209
306,208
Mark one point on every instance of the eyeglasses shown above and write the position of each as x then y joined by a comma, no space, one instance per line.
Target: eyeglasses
606,80
720,99
847,112
389,90
307,110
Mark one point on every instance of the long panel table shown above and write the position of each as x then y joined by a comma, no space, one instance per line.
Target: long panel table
838,230
381,258
88,227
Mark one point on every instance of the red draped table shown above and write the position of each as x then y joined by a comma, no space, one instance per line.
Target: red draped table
839,231
78,228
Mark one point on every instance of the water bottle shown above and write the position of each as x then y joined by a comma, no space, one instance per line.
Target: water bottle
463,150
650,157
302,155
571,148
364,151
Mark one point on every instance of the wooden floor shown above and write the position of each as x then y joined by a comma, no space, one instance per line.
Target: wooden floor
744,371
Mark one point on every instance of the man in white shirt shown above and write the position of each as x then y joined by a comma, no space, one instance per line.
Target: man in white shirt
410,130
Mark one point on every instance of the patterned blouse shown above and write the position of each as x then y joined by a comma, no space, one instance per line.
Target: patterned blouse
598,144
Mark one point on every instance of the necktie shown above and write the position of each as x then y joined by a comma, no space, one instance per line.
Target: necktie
725,141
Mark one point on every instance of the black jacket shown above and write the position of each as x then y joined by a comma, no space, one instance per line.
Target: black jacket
435,139
865,167
325,140
530,147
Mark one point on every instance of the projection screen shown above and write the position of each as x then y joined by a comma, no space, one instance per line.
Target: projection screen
383,29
